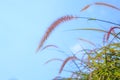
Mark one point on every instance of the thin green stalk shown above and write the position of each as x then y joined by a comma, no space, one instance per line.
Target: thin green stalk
89,18
75,62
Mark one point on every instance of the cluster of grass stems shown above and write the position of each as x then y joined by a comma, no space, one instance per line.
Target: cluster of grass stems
100,63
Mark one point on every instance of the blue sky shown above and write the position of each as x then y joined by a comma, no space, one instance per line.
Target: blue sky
22,25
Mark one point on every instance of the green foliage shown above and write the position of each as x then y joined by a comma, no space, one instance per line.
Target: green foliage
108,66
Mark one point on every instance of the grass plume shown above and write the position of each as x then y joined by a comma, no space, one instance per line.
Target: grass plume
47,46
54,59
52,27
109,32
85,8
100,4
65,61
87,41
108,5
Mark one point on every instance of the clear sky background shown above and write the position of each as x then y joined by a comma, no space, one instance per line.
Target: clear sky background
23,23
